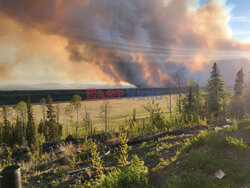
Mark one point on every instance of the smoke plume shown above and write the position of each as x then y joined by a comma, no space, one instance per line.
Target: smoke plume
140,42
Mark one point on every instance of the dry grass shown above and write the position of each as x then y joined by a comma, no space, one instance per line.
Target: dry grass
121,110
28,167
68,149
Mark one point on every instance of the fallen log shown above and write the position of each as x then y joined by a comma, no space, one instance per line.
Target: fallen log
141,139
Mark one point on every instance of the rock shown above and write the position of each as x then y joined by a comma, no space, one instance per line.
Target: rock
219,174
217,128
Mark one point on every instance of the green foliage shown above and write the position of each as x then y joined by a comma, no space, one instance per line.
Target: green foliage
31,127
75,101
237,107
8,161
218,141
236,143
196,159
95,158
35,151
133,175
7,129
18,137
42,128
54,129
216,93
246,96
123,148
155,114
87,122
244,123
239,83
189,180
21,109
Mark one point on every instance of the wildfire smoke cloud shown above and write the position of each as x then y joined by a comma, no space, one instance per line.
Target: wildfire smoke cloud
140,42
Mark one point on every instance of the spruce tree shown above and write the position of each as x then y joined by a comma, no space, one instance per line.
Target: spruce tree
192,103
31,127
54,129
21,109
7,132
18,137
215,92
237,103
239,83
42,129
247,95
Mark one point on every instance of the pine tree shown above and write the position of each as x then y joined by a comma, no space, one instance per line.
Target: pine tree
215,92
54,129
31,127
247,95
237,102
189,104
42,129
7,133
193,102
21,109
18,137
239,83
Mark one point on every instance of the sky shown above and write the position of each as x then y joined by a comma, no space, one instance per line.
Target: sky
240,21
117,43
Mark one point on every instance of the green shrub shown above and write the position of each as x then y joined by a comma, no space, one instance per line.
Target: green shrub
95,158
238,144
123,148
133,175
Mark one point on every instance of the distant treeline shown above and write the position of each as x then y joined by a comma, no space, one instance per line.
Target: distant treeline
13,97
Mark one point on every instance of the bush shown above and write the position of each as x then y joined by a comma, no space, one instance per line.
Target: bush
238,144
134,175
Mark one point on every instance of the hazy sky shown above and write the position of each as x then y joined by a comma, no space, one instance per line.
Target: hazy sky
132,42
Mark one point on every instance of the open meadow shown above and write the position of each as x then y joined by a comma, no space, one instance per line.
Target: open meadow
120,111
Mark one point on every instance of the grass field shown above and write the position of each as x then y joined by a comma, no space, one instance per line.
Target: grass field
121,110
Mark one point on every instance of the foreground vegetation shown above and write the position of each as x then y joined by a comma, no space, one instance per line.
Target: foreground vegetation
175,156
186,160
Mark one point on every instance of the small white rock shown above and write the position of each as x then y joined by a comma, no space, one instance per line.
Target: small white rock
219,174
217,128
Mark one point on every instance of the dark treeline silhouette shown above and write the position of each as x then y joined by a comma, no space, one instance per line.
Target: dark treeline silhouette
13,97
